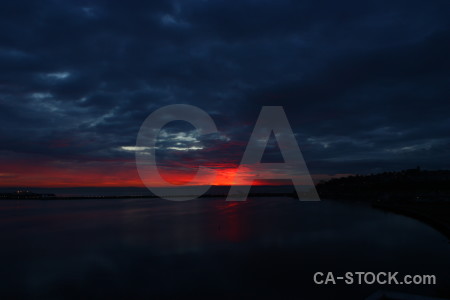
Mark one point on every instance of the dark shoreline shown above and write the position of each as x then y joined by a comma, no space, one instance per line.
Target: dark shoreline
436,215
38,197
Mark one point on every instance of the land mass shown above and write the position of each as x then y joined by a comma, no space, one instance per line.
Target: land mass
421,194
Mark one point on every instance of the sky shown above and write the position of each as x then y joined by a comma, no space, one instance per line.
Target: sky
365,85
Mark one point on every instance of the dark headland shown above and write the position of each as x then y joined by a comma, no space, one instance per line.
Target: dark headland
421,194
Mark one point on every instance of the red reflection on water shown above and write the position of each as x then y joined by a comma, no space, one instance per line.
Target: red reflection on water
232,222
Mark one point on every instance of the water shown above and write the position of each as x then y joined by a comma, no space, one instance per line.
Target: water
264,248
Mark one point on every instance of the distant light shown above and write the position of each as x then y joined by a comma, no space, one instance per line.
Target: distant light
89,11
168,20
134,148
185,148
173,21
39,96
58,75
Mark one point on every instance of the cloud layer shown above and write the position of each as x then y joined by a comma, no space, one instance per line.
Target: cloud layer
365,84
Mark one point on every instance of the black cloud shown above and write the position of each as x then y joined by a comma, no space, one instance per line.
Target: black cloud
365,84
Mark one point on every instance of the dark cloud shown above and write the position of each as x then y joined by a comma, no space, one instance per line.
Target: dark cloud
365,84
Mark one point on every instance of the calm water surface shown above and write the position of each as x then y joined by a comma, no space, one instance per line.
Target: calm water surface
264,248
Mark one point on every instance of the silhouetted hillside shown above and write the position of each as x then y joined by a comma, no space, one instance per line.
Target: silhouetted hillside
407,185
423,195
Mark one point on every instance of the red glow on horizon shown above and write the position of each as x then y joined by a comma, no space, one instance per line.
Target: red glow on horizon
119,173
